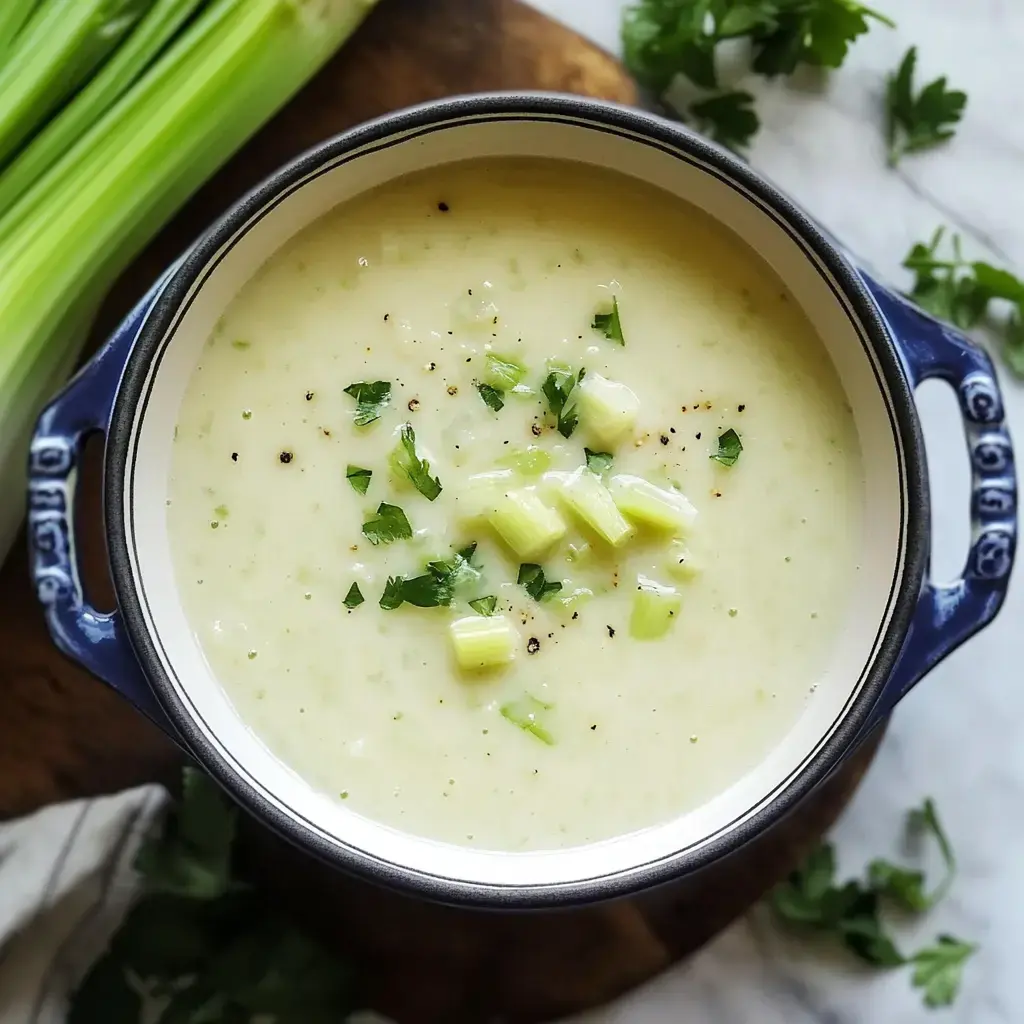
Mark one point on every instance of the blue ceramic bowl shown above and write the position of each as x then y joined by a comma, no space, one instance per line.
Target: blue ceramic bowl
900,623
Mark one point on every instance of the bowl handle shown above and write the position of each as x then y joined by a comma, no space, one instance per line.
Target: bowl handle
950,613
96,640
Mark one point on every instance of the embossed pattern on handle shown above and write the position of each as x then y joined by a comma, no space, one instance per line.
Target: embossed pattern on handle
96,640
949,614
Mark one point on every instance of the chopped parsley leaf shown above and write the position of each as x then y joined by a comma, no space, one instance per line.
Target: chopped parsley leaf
609,324
392,596
436,587
531,578
411,467
354,598
526,713
919,122
728,118
492,397
558,387
484,605
391,524
729,448
359,478
598,462
371,399
939,969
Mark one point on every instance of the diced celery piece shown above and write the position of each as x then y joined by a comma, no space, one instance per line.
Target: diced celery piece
476,497
528,713
590,501
661,507
576,600
483,641
503,372
680,561
607,409
655,608
525,523
530,461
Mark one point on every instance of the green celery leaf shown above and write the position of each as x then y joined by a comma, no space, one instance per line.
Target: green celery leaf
939,969
371,400
729,448
390,524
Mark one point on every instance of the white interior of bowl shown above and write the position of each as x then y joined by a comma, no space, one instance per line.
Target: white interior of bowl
149,458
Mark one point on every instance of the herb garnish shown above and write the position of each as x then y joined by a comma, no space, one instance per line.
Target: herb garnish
484,605
371,399
436,587
959,290
919,122
665,38
354,598
531,578
598,462
526,713
391,524
215,948
609,324
359,478
558,387
810,899
410,466
729,448
492,397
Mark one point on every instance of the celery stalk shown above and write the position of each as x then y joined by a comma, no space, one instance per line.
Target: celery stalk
13,15
234,67
528,526
130,60
53,55
483,641
588,498
655,608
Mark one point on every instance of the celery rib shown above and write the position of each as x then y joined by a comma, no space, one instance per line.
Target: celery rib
65,242
123,69
13,16
54,54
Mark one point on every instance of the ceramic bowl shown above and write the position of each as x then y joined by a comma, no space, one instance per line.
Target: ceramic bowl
899,625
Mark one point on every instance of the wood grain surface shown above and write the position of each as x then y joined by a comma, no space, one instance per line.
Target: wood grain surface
64,735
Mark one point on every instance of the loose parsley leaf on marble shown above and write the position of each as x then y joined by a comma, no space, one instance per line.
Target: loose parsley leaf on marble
811,900
484,605
729,448
916,122
728,118
610,324
407,463
961,291
371,400
938,969
389,525
531,578
354,598
598,462
558,389
491,396
359,478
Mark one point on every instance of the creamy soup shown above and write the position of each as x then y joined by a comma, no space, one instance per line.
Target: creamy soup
618,403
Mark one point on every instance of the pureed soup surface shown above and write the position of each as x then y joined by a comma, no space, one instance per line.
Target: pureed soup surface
676,653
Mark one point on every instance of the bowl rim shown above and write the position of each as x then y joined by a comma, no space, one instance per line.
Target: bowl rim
611,116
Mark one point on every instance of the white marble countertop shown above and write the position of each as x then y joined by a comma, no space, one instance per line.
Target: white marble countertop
958,736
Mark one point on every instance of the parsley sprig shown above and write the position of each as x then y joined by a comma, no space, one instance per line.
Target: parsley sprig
663,39
436,587
919,121
811,900
407,464
215,949
963,291
371,400
558,389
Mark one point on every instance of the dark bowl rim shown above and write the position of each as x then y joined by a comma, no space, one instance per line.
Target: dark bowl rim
619,119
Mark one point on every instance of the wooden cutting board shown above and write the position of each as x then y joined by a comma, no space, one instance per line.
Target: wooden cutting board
64,735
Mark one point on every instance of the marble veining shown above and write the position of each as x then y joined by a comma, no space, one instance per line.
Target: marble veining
957,736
